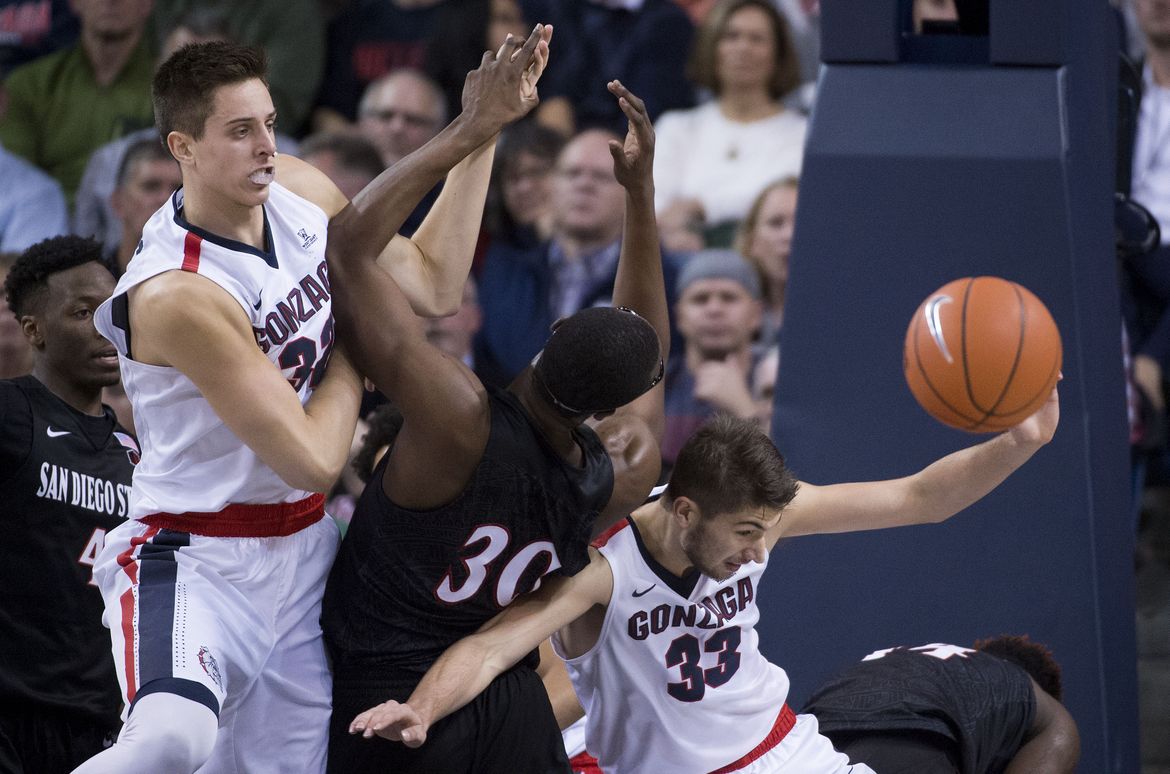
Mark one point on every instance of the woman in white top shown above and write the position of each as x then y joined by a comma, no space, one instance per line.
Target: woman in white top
711,161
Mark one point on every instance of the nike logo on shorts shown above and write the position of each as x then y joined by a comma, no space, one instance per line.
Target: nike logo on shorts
645,591
55,433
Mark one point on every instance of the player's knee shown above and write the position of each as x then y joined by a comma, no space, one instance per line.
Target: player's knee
179,734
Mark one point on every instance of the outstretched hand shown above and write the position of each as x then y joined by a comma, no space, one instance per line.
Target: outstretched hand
1039,428
393,721
633,159
504,86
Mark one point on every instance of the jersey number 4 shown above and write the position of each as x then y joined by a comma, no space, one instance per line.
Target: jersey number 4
476,567
686,654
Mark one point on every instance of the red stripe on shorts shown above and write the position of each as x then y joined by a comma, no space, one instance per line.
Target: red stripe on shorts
245,519
127,562
584,763
191,247
784,723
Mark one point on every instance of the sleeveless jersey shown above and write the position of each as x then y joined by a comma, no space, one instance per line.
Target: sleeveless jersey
678,657
191,461
981,702
64,482
408,584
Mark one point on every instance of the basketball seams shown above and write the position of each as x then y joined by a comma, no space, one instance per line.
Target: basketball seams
1036,336
929,384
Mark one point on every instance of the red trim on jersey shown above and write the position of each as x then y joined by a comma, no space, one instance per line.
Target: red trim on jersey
127,562
784,723
604,537
245,519
584,763
191,247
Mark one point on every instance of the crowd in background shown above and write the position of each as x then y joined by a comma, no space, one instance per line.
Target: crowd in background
359,84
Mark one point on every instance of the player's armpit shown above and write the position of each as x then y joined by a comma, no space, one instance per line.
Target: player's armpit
209,339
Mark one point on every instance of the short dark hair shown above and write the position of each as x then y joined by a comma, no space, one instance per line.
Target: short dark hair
526,137
147,149
353,151
382,426
1032,657
28,278
184,86
730,464
701,68
598,360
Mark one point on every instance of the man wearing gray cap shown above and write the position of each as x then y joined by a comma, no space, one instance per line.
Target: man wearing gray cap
718,313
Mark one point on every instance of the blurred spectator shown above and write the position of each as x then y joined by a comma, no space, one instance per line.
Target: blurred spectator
712,161
366,40
291,32
764,377
399,112
32,206
765,239
519,203
525,288
93,215
34,28
1148,317
15,352
147,177
470,27
63,106
642,43
927,11
349,160
718,313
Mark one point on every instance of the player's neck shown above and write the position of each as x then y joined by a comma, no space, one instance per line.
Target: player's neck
85,399
658,535
1159,61
557,430
222,217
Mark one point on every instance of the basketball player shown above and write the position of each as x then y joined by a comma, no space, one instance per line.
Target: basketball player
65,468
224,327
484,491
943,708
658,631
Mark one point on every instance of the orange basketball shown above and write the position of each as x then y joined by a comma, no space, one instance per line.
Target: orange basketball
982,354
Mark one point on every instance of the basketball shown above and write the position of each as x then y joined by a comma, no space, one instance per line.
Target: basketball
982,354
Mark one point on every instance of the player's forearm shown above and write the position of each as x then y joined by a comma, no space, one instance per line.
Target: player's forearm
379,210
960,479
639,283
460,674
448,235
330,417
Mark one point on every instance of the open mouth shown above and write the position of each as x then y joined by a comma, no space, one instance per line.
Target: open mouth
107,356
263,176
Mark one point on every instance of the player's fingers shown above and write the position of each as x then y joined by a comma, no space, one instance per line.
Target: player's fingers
633,99
524,54
362,721
414,736
488,57
618,152
505,47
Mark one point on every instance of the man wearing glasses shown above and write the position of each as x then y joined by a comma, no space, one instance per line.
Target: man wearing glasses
484,491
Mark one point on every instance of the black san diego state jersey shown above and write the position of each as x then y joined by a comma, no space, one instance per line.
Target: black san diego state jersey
64,483
984,704
408,584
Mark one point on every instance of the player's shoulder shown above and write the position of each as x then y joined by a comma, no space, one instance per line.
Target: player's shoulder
309,183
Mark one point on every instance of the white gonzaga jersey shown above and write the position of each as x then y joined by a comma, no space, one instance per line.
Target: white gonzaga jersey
676,681
191,462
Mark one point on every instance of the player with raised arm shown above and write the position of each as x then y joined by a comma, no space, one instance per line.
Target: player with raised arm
485,491
224,326
658,632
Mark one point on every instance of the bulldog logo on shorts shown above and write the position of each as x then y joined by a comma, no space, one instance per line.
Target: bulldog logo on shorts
207,661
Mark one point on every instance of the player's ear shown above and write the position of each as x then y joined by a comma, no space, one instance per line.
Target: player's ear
685,511
32,331
179,145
